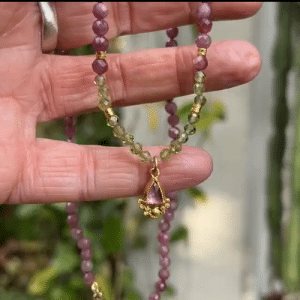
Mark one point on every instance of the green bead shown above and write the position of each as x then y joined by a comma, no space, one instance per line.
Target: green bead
199,77
104,103
136,148
200,99
119,131
145,156
100,80
189,129
104,92
182,137
112,120
165,154
175,147
128,139
198,88
193,118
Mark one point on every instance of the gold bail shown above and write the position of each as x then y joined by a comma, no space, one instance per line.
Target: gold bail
155,171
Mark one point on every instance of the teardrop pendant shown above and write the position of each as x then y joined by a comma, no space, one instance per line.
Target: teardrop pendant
154,201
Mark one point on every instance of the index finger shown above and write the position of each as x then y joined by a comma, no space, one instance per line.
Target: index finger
75,20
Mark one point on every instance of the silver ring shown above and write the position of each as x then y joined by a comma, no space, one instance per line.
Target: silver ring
49,26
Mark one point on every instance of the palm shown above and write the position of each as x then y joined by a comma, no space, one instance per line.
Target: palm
37,87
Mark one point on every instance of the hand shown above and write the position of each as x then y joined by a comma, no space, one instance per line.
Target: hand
37,87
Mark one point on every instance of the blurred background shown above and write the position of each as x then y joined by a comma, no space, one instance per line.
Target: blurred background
234,237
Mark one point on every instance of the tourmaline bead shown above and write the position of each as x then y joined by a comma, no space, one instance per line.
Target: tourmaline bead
160,285
154,296
183,137
73,220
164,261
203,40
100,11
100,43
165,154
173,132
100,66
190,129
71,208
200,63
89,278
86,266
86,254
171,108
175,147
204,25
172,32
169,215
164,238
164,226
70,132
100,27
173,205
163,250
173,120
136,148
119,131
76,233
193,118
164,274
84,243
171,43
172,195
204,11
145,156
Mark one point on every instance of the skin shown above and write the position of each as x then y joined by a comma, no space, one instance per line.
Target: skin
37,87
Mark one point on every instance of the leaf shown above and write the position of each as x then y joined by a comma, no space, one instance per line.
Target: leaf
105,285
12,295
197,194
132,294
113,235
27,210
62,293
170,291
179,234
140,242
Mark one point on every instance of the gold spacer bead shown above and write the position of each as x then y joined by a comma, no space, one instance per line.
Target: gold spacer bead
196,108
201,52
101,55
109,112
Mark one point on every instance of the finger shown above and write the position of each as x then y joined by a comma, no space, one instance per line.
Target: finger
144,77
58,172
75,20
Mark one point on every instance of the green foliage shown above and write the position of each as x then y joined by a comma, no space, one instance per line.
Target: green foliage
179,234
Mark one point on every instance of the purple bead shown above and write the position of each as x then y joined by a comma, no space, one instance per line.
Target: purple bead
73,220
172,32
70,121
71,208
160,285
164,226
164,261
203,40
154,296
100,43
164,238
173,132
171,108
171,43
86,254
200,63
76,233
174,205
70,132
173,120
172,195
164,274
169,215
204,11
100,66
100,27
204,25
84,243
100,11
163,250
89,278
86,266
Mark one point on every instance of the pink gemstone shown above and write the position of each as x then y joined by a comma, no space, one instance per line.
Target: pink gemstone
174,205
73,220
100,11
76,233
204,11
164,274
164,238
164,261
204,25
100,27
169,215
172,195
172,32
160,285
171,43
154,296
84,243
200,63
163,250
86,266
164,225
173,132
203,40
100,43
71,208
154,195
86,254
100,66
171,108
173,120
89,278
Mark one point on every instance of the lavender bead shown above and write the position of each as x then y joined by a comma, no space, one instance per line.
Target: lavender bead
163,250
71,208
164,274
204,25
200,63
164,261
164,226
203,40
172,195
73,220
100,43
154,296
171,108
160,286
169,215
174,205
86,254
172,32
100,11
100,27
76,233
164,238
171,43
84,243
100,66
204,11
173,120
86,266
173,132
89,278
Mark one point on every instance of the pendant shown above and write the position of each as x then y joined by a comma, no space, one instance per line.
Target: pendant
154,201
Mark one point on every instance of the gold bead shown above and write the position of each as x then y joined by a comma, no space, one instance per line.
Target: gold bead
119,131
165,154
200,77
101,55
196,108
145,156
175,147
189,129
200,99
136,148
198,88
202,51
104,103
109,112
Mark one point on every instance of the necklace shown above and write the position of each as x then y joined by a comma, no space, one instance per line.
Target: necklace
154,202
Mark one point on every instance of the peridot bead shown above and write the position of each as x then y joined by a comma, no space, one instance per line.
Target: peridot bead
189,129
136,148
145,156
199,77
104,103
193,118
119,131
128,139
198,88
175,147
100,80
165,154
200,99
182,137
103,91
112,120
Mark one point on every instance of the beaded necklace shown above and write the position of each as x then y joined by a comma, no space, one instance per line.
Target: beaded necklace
155,202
